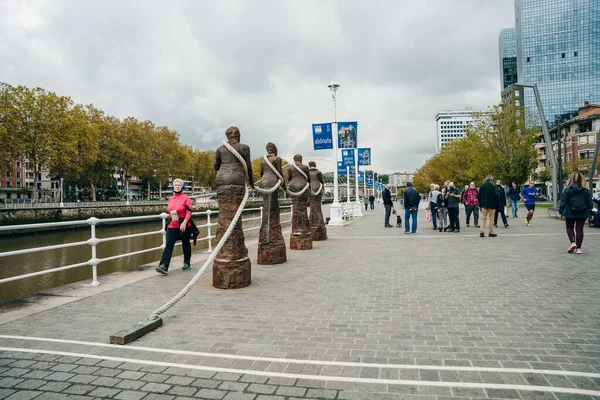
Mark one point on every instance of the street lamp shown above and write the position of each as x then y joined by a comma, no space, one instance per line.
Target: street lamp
335,210
127,193
61,193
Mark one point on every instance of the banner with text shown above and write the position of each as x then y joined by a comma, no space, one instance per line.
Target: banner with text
347,135
341,168
322,137
348,158
364,156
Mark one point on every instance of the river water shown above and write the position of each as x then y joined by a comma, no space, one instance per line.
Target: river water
39,261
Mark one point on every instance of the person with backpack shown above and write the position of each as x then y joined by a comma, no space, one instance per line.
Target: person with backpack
575,207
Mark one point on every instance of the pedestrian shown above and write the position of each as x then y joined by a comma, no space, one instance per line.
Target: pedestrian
488,201
366,201
528,195
471,200
501,209
595,221
179,209
575,206
433,205
411,208
513,195
386,196
453,196
372,201
442,206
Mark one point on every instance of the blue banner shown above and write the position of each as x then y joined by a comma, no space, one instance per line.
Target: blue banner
370,183
322,138
348,158
364,156
361,178
369,175
347,135
342,169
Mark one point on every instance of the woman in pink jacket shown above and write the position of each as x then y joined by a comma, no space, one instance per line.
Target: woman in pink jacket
180,214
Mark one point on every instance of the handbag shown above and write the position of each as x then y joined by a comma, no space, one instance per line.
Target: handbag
428,216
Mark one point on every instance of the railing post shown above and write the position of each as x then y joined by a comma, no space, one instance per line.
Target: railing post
208,225
261,213
164,216
93,242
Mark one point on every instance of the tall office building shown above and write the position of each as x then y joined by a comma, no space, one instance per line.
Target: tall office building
558,48
451,125
507,45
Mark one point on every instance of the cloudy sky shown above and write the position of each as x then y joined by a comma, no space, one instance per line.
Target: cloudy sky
264,65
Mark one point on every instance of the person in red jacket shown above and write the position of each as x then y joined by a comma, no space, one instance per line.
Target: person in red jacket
180,214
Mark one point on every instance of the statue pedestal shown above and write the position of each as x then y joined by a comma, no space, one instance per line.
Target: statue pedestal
231,274
301,241
318,232
271,253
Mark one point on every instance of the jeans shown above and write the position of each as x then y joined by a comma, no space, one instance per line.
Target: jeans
173,235
487,214
515,207
575,236
408,214
432,208
453,215
442,218
502,214
472,210
388,212
372,205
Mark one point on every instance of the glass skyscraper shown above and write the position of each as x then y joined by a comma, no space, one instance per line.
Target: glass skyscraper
558,48
507,44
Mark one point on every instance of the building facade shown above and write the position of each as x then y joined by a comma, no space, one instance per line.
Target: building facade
578,142
399,179
558,48
507,45
16,184
451,125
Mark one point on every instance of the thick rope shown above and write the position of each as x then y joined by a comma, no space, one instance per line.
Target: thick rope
300,193
216,250
274,188
320,187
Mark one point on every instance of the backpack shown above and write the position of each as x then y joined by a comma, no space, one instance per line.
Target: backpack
577,203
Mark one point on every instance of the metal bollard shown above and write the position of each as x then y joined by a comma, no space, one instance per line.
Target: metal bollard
209,237
94,260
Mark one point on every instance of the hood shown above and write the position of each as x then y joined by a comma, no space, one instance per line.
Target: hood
576,188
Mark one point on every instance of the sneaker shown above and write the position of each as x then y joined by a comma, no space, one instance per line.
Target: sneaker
477,226
492,235
457,231
506,225
161,269
572,248
527,222
450,230
481,234
186,266
440,229
406,232
467,225
495,225
578,251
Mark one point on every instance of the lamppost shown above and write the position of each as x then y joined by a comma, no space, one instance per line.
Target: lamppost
335,210
61,193
127,193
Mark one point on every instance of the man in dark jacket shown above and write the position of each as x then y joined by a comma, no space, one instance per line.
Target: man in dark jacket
488,201
372,201
500,210
411,207
513,195
453,195
386,196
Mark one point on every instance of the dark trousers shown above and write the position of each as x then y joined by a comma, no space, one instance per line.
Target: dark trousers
173,235
433,213
388,212
502,214
575,235
453,217
372,205
472,210
408,214
366,206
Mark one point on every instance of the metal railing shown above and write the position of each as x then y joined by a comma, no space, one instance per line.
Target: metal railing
93,241
18,205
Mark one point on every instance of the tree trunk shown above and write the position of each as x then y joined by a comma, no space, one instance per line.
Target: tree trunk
93,190
148,194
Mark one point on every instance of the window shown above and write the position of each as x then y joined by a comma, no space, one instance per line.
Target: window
528,59
575,54
18,164
8,174
586,155
563,55
19,185
18,174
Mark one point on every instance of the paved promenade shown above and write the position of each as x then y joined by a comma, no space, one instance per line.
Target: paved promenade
371,313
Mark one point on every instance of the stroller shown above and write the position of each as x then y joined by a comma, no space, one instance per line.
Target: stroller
398,218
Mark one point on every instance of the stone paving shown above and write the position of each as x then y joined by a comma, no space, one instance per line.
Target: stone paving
371,313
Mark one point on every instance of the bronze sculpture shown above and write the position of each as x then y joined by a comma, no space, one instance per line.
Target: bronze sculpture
299,177
317,223
271,246
231,268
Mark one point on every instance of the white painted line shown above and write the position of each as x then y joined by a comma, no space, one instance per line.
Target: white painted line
471,385
312,362
453,236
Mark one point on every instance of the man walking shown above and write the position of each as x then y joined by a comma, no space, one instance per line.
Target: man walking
453,196
372,201
386,196
411,207
528,195
470,198
501,205
488,201
513,195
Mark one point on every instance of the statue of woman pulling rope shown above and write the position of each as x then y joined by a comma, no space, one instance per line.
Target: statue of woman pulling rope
298,175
